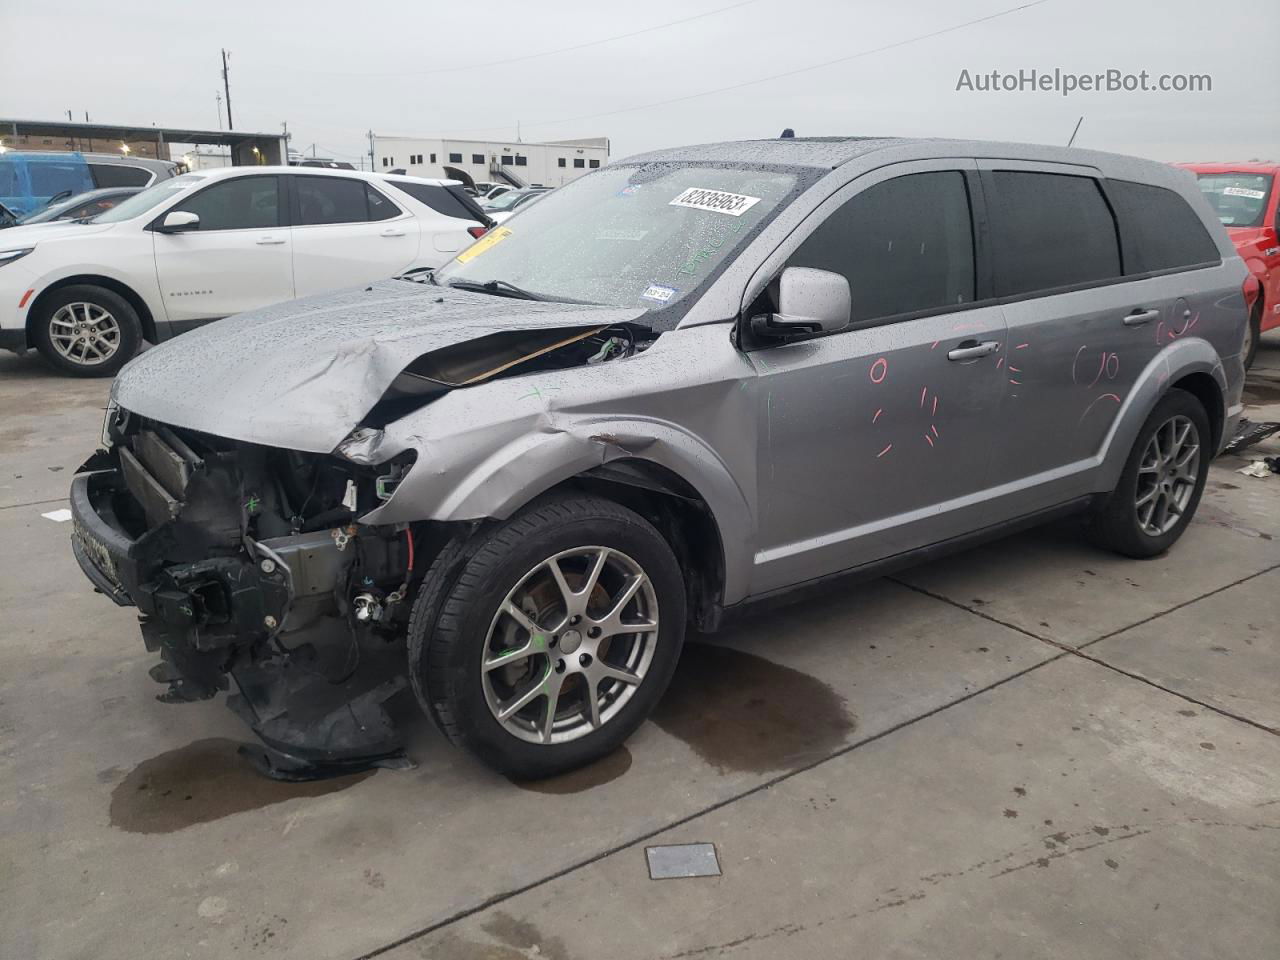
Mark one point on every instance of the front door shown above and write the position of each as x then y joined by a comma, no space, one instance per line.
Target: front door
238,259
346,232
877,440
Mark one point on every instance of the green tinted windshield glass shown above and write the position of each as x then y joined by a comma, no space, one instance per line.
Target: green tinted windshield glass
645,236
1239,199
148,199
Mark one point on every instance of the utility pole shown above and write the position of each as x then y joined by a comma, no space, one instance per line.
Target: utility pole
371,164
226,83
218,97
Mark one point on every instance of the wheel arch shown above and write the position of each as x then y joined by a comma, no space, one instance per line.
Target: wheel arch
131,296
655,463
680,514
1189,364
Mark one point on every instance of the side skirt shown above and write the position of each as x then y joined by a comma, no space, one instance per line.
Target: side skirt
774,599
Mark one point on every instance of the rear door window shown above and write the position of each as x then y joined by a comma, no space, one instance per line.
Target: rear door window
1161,231
245,203
330,200
118,175
905,245
1049,231
380,208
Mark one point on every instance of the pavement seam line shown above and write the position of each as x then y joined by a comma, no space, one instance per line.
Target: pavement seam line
33,503
1091,658
1179,606
681,821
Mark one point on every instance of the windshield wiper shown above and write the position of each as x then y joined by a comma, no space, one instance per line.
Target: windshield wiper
500,287
504,288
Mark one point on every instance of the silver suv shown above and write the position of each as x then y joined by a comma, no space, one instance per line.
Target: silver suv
689,382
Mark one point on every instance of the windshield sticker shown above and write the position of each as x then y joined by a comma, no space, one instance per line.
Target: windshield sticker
698,198
658,293
630,189
1244,192
488,241
616,234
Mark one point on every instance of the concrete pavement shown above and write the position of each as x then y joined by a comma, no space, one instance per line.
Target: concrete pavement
1032,748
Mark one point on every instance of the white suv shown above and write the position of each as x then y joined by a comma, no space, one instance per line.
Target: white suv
207,245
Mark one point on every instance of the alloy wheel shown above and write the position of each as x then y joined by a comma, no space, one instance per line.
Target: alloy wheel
86,334
1167,475
570,645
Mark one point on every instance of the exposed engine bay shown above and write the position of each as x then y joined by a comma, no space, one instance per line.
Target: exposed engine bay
248,562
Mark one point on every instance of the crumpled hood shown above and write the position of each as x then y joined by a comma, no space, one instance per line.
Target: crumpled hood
302,374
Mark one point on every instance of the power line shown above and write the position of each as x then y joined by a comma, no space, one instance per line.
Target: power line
776,76
545,53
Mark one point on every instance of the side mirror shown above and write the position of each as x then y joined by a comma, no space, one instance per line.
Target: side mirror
179,221
809,302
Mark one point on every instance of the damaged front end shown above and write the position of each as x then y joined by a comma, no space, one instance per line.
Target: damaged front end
246,562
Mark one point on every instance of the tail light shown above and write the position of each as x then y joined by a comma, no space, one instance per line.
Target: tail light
477,231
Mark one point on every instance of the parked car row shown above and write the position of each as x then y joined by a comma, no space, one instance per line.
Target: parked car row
677,387
30,181
207,245
1245,198
502,207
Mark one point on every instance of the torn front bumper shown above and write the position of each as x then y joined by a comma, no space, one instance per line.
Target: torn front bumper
312,692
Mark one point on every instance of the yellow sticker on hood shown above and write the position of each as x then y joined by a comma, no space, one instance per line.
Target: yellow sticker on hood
490,239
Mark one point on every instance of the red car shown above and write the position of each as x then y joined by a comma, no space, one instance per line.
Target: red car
1244,195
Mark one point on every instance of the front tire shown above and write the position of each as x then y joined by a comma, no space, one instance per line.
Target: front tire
553,637
86,330
1162,480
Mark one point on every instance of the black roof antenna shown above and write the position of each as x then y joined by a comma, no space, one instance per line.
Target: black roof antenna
788,134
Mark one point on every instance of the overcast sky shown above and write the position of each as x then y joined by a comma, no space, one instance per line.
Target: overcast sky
333,70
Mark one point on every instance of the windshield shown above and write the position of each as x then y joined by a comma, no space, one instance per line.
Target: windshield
647,236
52,211
148,199
1239,199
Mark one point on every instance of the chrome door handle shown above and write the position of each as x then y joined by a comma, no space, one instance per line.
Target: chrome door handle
1139,317
268,241
971,351
391,232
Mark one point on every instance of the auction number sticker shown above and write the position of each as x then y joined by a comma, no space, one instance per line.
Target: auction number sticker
658,293
487,242
699,198
1244,192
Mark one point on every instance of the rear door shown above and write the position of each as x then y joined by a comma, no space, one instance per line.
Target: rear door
239,258
1085,276
347,232
878,439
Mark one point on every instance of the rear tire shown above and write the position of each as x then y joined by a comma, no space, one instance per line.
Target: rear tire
86,331
1161,483
494,626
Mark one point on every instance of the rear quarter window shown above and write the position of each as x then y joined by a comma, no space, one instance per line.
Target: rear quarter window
440,199
1161,231
118,175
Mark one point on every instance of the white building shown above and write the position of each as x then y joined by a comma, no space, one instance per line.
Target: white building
549,164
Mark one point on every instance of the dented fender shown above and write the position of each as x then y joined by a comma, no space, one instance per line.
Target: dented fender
487,451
